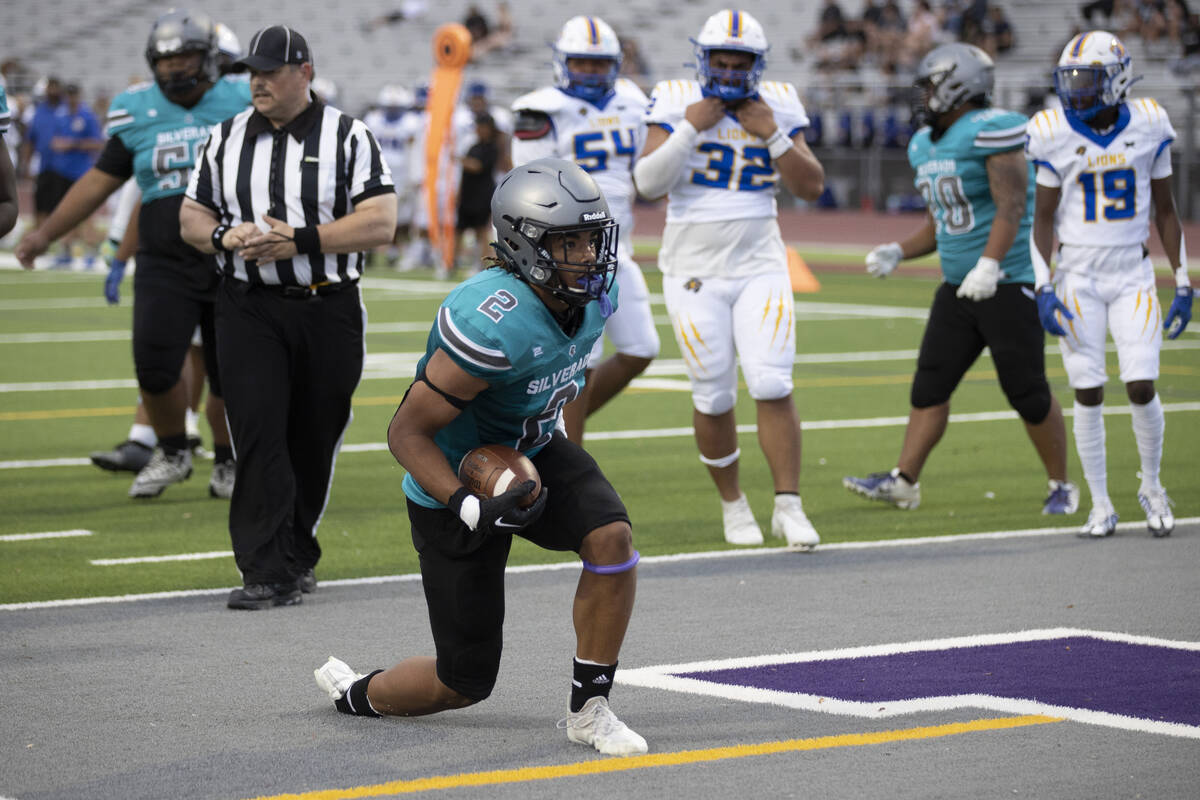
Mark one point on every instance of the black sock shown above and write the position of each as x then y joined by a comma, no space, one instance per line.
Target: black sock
173,444
590,680
904,475
797,494
222,453
354,701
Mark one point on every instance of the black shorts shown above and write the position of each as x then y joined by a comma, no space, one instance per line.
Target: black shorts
463,571
49,188
165,317
959,329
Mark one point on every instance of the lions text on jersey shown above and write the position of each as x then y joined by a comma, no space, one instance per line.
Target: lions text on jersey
603,139
496,328
163,137
726,157
951,174
1104,178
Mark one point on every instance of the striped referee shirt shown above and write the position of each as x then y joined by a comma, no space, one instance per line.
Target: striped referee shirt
311,171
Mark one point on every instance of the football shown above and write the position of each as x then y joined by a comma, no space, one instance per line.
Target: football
493,469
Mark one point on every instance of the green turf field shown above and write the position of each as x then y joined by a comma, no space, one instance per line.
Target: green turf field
66,375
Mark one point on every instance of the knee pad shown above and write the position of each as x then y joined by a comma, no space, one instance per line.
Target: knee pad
155,381
708,398
1033,404
767,383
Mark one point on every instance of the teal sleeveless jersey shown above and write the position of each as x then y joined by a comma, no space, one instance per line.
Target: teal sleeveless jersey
163,137
951,175
497,329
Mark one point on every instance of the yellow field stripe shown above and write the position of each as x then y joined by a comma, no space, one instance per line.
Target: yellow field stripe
601,766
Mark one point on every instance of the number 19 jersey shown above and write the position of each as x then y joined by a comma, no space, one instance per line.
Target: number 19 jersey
951,175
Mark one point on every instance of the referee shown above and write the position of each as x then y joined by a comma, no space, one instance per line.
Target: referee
288,193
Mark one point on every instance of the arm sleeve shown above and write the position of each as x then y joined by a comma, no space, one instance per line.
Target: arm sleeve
656,173
115,159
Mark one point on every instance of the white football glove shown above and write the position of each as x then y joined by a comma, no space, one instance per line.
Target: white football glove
883,259
980,283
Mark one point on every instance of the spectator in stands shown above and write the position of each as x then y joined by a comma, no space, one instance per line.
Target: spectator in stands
998,35
1105,7
924,32
838,42
484,37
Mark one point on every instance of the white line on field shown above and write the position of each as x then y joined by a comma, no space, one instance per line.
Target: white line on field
646,561
27,537
114,562
667,433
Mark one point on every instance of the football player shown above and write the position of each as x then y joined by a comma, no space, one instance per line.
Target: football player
1102,161
717,146
8,175
978,194
155,129
390,123
505,355
592,117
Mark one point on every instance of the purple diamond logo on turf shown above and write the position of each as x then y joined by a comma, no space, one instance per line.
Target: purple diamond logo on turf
1118,680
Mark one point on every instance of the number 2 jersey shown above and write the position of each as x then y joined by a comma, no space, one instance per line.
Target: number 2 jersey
156,141
496,328
727,158
951,175
1103,213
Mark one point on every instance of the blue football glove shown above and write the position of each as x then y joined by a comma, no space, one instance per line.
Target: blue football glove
1048,303
1180,313
112,284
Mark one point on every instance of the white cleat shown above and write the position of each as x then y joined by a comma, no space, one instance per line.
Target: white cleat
1160,520
1101,522
740,526
160,472
223,476
335,677
789,522
595,724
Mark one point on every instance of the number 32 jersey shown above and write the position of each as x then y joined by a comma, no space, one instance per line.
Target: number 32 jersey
494,327
727,158
1104,179
951,175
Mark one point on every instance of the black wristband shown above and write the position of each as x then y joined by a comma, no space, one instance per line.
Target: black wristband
217,235
308,241
456,500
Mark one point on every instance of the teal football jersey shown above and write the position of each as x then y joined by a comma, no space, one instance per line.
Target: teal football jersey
163,137
5,114
497,329
951,175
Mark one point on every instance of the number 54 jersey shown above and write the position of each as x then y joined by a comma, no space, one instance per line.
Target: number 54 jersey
1104,178
729,174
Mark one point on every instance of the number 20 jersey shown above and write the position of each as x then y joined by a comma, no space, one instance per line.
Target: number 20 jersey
726,158
496,328
951,175
1104,179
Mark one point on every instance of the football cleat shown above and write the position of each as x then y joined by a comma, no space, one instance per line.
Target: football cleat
595,724
740,526
789,522
1100,523
223,475
162,470
1160,520
1063,498
128,456
888,487
257,596
307,581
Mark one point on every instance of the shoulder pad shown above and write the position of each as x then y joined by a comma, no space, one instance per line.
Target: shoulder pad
547,100
671,98
531,124
998,129
628,89
1151,110
1046,128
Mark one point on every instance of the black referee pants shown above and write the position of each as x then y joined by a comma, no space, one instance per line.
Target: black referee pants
289,366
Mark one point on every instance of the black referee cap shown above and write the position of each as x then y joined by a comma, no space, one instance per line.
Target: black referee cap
273,47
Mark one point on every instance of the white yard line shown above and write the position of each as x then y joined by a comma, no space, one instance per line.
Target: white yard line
28,537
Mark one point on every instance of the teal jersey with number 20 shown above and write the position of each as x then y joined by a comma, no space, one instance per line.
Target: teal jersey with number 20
951,175
496,328
164,137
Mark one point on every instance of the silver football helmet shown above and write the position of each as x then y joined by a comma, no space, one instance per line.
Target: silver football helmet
176,32
949,76
548,197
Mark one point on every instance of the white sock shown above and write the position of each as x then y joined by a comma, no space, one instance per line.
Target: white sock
192,423
1148,427
1089,443
143,434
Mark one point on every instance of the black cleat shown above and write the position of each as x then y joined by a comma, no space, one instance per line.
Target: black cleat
128,456
257,596
307,581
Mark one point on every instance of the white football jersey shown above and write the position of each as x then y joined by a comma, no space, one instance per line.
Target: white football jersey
604,141
395,138
729,174
1104,178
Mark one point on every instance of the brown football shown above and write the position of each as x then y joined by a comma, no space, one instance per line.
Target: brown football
493,469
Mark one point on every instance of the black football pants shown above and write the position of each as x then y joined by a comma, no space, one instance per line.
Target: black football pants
289,366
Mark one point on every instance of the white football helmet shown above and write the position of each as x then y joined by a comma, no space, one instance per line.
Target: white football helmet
949,76
325,89
586,37
394,96
730,29
1094,73
229,49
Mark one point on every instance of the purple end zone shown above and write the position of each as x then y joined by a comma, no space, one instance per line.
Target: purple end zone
1133,680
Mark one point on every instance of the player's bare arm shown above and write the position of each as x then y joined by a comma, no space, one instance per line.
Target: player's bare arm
1008,176
1045,205
1166,219
425,411
83,198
